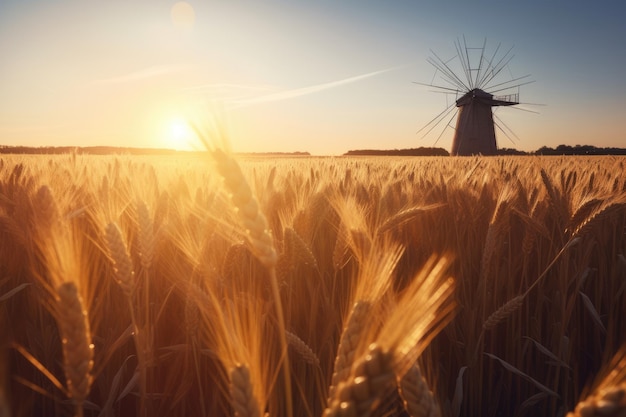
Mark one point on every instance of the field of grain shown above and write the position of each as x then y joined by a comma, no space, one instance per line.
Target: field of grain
215,286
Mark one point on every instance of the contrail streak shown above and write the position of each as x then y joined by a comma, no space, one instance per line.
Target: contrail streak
149,72
297,92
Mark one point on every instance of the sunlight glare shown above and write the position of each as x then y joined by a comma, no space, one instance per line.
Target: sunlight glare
180,135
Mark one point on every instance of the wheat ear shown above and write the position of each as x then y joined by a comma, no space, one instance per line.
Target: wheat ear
297,251
405,216
258,234
125,277
247,208
348,343
302,349
418,400
503,312
609,402
76,339
242,396
597,217
146,235
372,379
46,207
122,264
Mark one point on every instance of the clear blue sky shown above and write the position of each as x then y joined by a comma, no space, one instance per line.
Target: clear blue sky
319,76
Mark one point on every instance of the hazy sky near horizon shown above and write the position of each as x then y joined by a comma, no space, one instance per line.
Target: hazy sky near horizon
294,75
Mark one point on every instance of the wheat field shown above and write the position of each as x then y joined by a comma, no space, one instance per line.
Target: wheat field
223,286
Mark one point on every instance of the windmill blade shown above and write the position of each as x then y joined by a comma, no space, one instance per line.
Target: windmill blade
469,71
502,63
504,131
437,86
491,87
523,109
532,104
441,115
464,63
480,62
489,67
446,72
453,75
446,62
512,86
444,129
437,118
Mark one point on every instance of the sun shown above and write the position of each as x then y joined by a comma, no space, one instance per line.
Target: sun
180,135
183,16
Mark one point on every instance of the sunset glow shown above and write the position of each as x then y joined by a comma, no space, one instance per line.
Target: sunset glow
322,77
180,136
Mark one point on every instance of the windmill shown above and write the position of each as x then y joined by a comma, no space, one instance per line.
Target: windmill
479,82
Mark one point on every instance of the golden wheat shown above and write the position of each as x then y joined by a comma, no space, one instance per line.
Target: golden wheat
297,251
348,344
503,312
250,217
303,350
195,269
122,264
418,399
609,402
241,392
76,339
146,238
371,380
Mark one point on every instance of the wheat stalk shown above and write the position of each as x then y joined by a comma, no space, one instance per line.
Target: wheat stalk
418,400
125,277
76,339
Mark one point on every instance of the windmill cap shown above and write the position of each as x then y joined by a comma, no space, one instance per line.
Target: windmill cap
471,95
482,97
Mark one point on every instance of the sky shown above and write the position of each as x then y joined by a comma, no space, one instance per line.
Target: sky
323,76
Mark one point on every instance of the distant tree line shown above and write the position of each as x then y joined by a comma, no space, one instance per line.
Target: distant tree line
400,152
559,150
579,150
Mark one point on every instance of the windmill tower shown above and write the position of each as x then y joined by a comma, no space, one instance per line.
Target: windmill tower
469,75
